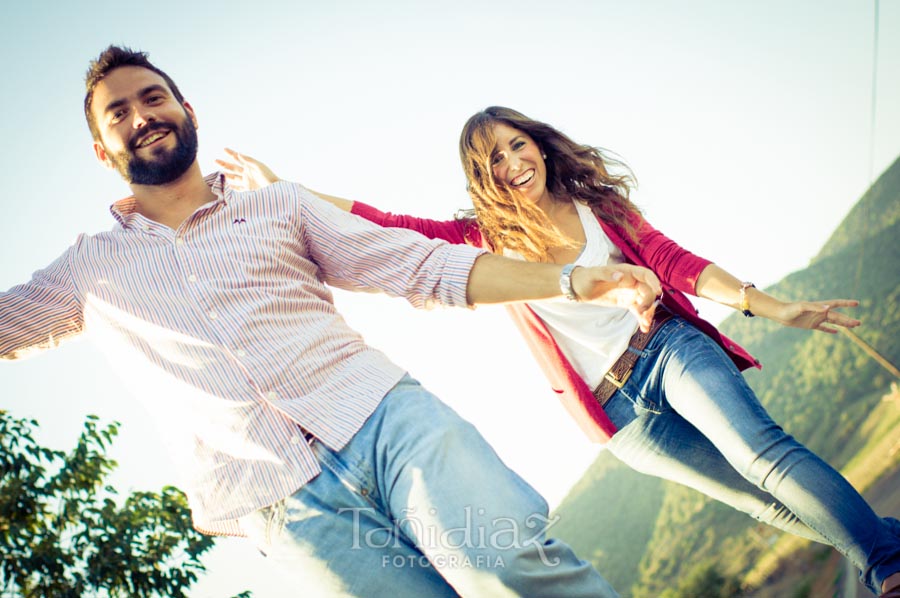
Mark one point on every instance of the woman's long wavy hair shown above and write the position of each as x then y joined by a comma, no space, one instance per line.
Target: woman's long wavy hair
506,218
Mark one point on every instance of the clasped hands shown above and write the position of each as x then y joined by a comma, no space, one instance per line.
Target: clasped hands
630,287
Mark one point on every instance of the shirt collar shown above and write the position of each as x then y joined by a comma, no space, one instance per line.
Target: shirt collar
125,209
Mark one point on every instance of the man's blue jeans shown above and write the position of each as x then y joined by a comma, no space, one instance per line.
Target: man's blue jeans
416,505
687,415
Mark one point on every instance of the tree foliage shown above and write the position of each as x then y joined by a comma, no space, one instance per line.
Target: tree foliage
704,581
63,535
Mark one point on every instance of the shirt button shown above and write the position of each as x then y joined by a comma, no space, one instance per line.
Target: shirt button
272,396
179,241
146,227
240,353
192,278
364,491
212,315
296,439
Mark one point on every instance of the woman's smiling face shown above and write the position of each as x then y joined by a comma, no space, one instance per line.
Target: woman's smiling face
517,163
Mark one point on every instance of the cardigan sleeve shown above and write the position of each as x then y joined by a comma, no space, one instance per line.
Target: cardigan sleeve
673,264
678,269
462,231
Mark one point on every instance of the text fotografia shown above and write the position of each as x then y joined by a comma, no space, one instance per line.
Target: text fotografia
445,561
474,543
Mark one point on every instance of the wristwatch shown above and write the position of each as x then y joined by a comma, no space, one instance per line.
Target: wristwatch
565,282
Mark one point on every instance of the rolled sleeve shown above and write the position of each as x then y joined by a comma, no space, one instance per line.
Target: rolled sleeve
355,254
41,313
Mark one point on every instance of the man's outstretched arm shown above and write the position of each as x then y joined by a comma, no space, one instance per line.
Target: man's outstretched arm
355,254
496,279
493,279
41,313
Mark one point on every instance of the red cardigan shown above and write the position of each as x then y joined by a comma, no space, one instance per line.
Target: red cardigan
677,269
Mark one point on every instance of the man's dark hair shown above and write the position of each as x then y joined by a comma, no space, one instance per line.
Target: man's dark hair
112,58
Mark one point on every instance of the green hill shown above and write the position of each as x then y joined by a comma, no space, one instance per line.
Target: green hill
609,516
646,535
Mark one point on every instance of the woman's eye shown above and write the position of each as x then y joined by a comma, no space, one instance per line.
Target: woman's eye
497,159
518,145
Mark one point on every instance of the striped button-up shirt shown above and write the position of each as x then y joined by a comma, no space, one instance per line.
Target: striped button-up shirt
226,330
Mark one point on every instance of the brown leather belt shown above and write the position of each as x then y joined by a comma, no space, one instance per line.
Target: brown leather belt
620,371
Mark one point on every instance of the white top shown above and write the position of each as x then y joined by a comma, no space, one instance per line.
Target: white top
592,337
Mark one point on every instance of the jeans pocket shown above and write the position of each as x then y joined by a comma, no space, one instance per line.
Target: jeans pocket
660,337
624,407
642,391
352,469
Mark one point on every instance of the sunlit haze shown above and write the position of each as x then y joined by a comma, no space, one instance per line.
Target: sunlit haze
748,126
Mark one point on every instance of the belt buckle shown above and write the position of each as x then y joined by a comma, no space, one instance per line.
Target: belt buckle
615,381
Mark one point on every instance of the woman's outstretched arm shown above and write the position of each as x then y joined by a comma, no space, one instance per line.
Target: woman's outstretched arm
718,285
247,173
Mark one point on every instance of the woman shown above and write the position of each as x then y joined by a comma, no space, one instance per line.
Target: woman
666,393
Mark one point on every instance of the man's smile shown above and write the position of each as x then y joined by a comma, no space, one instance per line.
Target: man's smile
151,138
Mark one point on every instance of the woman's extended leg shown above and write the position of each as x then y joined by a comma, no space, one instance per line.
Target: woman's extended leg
692,375
665,445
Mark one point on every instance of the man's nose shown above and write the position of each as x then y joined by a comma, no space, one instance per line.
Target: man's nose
142,116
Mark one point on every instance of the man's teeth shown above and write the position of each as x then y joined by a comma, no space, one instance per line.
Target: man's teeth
151,138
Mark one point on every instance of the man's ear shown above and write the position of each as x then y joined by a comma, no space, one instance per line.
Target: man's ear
101,154
190,112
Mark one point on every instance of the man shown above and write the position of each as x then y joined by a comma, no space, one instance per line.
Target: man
213,305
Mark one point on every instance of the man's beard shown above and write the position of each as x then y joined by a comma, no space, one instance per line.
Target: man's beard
166,165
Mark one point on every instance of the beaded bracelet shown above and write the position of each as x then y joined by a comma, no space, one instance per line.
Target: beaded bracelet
745,302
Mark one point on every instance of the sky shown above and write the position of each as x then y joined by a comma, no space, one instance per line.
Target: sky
749,126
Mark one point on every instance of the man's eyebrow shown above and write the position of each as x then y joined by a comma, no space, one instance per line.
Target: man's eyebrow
144,91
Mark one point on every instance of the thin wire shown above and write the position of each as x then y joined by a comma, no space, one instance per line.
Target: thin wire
872,113
874,97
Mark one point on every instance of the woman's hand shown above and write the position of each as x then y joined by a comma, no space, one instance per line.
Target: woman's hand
631,287
246,173
717,284
815,315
